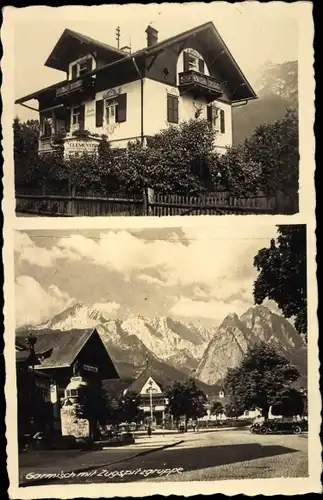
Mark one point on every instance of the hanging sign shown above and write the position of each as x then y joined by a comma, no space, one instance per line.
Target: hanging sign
90,368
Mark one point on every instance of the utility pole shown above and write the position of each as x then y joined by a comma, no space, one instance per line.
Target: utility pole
118,36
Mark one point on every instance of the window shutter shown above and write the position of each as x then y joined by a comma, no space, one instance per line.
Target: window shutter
89,64
169,108
74,71
122,108
81,118
172,109
99,113
175,109
209,114
201,66
186,61
222,123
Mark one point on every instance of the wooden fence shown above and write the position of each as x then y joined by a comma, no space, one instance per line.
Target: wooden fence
154,204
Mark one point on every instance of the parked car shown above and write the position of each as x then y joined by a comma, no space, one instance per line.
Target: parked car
280,426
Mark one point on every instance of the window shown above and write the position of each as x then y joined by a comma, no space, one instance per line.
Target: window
192,62
111,112
77,119
70,393
216,118
81,68
46,126
172,109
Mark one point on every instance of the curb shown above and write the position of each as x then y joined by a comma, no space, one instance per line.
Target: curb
36,482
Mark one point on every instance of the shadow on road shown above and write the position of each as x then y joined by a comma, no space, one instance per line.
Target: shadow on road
187,459
202,458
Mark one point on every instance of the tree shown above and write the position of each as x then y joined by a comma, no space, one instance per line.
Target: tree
217,408
129,408
186,399
282,274
240,174
274,147
25,139
289,403
260,381
93,406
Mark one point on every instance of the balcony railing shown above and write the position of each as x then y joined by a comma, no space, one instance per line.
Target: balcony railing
192,80
70,87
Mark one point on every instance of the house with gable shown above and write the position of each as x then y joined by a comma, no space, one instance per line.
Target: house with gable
57,357
152,395
131,96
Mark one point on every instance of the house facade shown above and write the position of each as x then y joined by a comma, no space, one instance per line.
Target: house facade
60,357
153,399
130,97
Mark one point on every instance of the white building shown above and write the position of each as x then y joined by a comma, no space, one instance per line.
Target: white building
129,97
153,400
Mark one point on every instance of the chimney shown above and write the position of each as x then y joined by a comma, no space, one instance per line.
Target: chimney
126,49
152,36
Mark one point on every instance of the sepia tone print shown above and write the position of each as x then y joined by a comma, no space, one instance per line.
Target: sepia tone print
154,120
186,369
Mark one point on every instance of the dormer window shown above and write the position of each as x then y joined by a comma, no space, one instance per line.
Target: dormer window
193,62
81,67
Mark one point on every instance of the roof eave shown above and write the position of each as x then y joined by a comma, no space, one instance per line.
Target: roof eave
234,62
94,72
49,63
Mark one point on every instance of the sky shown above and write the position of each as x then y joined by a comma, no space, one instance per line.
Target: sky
255,33
193,274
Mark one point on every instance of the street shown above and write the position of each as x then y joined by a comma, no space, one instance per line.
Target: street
214,455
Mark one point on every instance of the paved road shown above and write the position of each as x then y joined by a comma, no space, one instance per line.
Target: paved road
201,456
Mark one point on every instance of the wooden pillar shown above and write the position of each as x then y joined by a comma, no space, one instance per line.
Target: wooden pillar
53,122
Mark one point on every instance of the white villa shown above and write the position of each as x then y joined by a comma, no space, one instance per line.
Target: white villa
130,96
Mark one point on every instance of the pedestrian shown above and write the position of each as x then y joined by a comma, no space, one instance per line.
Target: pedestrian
149,431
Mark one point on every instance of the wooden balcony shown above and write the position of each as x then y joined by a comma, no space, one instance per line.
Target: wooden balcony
199,84
83,85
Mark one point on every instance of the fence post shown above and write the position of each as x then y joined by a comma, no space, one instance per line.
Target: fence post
148,197
280,202
70,203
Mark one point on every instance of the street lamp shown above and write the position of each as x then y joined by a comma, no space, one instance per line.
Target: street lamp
150,390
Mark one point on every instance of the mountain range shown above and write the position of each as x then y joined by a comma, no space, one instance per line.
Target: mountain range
277,90
178,349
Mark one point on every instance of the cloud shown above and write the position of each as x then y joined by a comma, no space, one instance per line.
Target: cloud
217,310
37,255
107,308
212,267
150,280
34,304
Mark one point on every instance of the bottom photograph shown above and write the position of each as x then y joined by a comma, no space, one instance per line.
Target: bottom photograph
165,354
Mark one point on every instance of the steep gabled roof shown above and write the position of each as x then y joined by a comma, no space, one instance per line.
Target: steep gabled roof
69,38
140,381
62,346
217,49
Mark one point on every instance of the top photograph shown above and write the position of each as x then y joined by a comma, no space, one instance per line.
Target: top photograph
138,115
